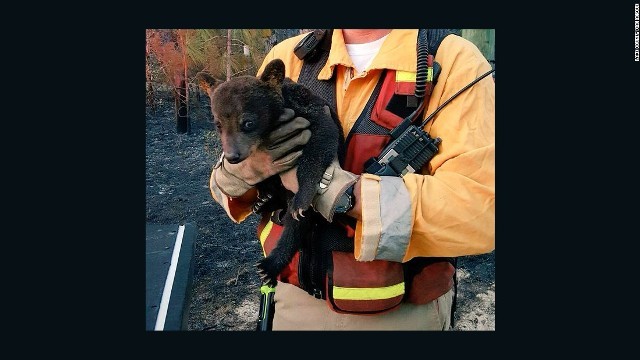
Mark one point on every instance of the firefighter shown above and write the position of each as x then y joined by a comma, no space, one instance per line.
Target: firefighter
405,231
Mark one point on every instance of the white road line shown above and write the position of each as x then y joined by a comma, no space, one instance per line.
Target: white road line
168,284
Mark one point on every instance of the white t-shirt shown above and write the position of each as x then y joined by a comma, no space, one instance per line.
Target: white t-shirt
362,54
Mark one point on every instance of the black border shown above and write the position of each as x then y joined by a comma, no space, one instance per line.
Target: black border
551,166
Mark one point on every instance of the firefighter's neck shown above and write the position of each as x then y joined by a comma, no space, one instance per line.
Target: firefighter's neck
361,36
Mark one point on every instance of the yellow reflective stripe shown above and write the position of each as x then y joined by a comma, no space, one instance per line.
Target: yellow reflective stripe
429,74
263,235
387,292
406,76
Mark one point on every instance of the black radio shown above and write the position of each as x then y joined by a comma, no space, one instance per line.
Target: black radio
405,154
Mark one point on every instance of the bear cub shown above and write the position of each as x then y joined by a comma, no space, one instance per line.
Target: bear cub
245,110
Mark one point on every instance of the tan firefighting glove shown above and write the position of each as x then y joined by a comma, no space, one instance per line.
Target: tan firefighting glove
236,179
334,183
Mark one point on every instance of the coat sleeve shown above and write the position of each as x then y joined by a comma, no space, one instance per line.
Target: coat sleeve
449,211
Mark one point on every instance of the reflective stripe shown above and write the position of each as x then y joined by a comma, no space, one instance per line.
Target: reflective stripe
387,292
367,246
387,217
263,235
395,216
405,76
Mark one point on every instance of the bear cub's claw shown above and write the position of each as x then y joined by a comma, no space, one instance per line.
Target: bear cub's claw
267,272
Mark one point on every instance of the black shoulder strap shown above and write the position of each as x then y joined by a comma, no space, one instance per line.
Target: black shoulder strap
428,43
313,49
435,37
310,47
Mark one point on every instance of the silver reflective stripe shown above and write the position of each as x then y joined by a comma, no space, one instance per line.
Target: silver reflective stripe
396,216
371,224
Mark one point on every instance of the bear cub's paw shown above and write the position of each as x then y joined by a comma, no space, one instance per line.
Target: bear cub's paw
301,203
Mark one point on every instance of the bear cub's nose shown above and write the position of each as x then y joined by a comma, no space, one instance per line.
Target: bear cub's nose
233,158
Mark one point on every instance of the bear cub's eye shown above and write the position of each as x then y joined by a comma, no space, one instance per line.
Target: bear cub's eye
248,125
248,122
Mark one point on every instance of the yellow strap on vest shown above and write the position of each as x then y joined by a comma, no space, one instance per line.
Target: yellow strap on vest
405,76
263,235
387,292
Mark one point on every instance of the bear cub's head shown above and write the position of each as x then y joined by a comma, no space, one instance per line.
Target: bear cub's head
245,109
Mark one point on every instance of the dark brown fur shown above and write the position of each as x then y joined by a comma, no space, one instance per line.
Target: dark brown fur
245,110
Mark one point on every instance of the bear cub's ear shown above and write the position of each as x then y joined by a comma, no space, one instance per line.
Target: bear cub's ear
273,73
207,82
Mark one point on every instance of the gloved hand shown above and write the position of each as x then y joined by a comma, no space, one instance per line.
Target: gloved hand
278,156
334,183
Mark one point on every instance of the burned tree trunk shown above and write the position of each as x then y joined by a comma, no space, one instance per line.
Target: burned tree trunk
228,54
185,84
180,95
150,96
